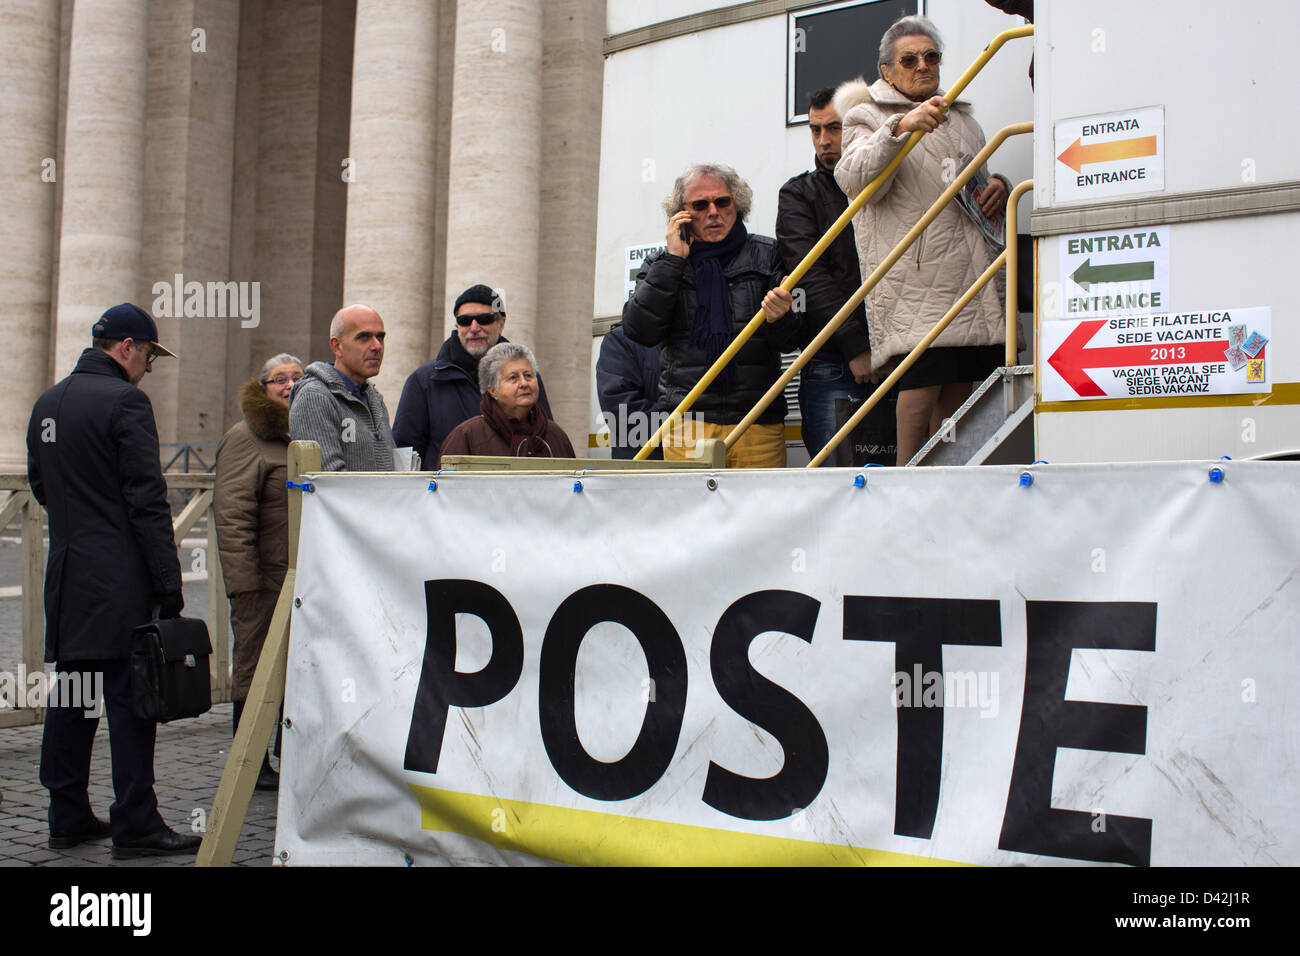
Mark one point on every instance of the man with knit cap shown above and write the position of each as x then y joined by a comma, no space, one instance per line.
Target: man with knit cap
441,394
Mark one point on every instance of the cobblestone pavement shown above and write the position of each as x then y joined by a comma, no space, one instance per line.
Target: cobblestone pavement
188,760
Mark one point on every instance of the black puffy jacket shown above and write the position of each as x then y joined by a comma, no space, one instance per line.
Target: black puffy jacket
92,461
662,308
808,205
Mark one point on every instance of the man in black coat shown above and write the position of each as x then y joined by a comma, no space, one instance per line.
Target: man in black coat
92,461
808,205
441,394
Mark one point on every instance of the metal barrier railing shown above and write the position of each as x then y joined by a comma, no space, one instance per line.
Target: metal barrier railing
815,253
187,450
21,502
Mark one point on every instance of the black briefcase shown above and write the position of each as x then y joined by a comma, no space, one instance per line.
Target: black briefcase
169,669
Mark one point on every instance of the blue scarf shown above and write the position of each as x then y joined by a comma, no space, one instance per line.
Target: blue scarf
714,324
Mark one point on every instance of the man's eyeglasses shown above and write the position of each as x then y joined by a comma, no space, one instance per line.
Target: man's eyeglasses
282,379
482,318
699,205
908,61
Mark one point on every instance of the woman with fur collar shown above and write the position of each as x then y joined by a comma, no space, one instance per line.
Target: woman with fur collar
251,509
952,252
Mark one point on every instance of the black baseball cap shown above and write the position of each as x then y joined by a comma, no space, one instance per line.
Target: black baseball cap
127,321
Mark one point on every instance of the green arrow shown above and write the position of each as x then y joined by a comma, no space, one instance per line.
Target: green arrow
1119,272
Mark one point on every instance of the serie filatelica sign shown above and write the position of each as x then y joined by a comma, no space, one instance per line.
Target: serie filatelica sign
1196,352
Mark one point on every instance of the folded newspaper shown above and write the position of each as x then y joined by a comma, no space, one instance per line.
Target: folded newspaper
994,230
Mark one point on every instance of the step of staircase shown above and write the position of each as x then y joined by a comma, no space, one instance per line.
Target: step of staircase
995,426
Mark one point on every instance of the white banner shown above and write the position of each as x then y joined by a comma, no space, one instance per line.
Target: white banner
939,666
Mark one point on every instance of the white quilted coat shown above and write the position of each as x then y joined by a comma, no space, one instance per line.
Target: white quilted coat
947,258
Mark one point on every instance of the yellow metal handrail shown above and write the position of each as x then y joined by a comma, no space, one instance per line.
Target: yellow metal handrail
815,253
1013,271
877,274
912,356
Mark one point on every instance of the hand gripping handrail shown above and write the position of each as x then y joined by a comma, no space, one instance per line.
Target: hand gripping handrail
895,254
815,253
883,388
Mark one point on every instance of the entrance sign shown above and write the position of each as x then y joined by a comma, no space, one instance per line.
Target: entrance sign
1210,352
521,668
1117,272
634,258
1110,154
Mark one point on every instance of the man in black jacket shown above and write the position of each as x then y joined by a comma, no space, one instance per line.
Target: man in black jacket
92,461
694,298
441,394
808,205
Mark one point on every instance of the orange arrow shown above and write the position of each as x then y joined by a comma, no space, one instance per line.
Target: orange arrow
1076,156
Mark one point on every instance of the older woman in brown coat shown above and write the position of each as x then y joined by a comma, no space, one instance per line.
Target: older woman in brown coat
513,423
250,504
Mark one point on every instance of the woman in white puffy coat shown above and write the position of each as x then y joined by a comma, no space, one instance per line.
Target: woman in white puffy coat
952,252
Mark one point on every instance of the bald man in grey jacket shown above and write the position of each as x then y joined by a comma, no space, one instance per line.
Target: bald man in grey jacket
336,407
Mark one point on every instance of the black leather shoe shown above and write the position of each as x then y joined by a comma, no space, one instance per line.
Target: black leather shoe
93,829
164,842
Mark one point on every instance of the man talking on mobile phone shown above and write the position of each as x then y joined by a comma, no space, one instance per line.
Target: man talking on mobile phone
695,297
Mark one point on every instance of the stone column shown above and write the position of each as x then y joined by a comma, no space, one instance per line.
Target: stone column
103,170
190,132
493,219
572,84
389,257
29,90
304,94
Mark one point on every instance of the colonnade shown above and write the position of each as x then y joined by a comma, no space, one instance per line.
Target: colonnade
390,152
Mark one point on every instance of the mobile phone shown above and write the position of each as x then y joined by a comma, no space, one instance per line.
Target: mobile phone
684,232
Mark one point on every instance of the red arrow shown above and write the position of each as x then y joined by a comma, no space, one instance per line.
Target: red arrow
1071,358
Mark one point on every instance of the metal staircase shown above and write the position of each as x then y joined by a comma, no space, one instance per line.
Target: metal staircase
995,426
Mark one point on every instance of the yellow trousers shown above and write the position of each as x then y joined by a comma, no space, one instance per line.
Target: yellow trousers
762,446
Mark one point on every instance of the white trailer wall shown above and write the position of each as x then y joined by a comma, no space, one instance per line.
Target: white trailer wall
1231,174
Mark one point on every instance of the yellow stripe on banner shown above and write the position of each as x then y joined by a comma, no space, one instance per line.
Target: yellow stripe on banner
588,838
1284,393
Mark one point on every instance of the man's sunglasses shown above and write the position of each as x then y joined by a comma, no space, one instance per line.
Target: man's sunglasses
482,318
908,61
699,205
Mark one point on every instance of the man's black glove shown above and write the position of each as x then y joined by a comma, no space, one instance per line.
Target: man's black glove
170,604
